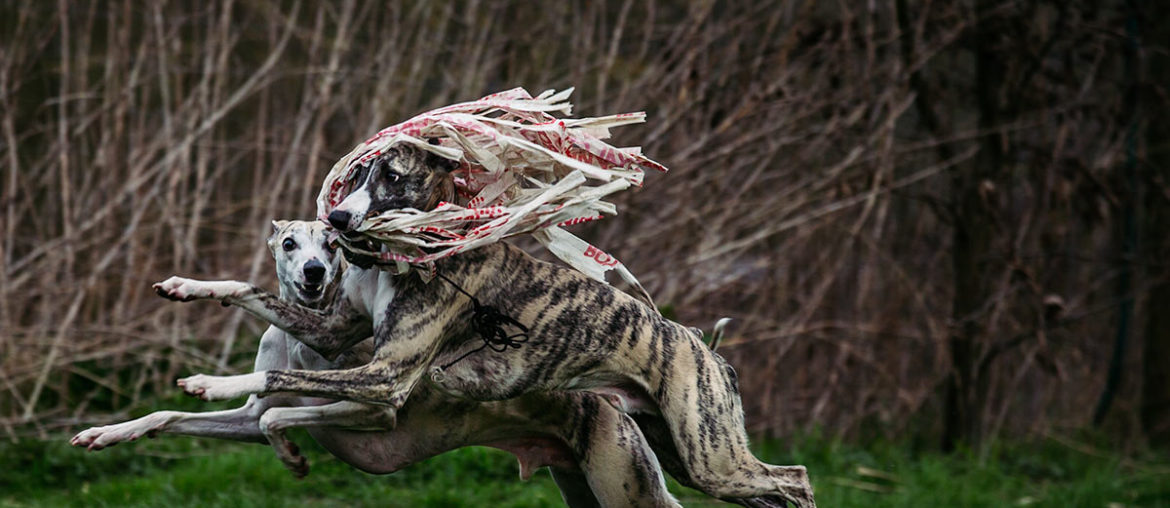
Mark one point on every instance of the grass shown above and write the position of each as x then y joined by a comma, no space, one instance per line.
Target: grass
176,472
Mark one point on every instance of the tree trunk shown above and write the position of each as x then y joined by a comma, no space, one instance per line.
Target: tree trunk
1155,410
973,236
1127,232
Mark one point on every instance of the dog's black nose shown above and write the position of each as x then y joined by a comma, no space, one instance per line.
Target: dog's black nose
314,271
339,219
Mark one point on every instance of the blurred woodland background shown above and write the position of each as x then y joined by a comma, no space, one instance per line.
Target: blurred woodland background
945,220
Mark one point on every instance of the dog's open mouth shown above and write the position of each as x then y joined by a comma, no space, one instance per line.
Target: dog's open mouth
311,291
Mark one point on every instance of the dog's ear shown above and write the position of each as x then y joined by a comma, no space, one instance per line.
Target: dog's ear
438,161
277,225
443,163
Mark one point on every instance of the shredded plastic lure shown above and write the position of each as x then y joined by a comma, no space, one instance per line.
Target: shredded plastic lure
522,170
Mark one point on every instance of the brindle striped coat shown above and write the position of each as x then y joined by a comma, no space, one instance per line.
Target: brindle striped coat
584,335
597,455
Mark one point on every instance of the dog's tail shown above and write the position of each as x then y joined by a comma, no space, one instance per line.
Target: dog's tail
717,333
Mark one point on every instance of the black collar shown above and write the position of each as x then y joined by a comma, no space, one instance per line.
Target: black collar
362,261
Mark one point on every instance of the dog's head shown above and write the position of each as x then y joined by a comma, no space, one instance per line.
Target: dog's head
307,266
404,177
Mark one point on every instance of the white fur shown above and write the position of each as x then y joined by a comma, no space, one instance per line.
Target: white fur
357,204
223,387
187,289
310,240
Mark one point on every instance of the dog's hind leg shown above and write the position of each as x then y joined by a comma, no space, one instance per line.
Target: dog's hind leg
705,416
658,435
234,424
238,424
618,463
349,415
574,488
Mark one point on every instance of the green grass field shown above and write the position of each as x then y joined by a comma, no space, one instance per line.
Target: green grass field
177,471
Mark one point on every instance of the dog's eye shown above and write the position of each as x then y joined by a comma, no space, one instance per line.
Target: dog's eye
382,168
330,248
288,244
357,177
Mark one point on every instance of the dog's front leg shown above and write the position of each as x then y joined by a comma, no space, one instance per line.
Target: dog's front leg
406,345
329,331
386,381
407,340
223,387
185,290
385,384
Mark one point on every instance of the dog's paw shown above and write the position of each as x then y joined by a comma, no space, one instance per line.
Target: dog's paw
88,438
222,387
287,451
97,438
292,459
183,290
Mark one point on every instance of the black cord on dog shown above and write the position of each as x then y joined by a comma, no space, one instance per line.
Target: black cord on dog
489,323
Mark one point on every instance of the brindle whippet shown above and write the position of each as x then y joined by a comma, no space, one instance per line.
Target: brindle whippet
597,455
584,335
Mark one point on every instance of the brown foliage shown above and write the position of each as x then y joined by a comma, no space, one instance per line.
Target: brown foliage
814,149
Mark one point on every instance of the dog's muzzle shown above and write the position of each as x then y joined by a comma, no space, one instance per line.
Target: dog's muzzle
339,219
314,272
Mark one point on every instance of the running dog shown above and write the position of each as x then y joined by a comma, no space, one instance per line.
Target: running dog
583,335
597,454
